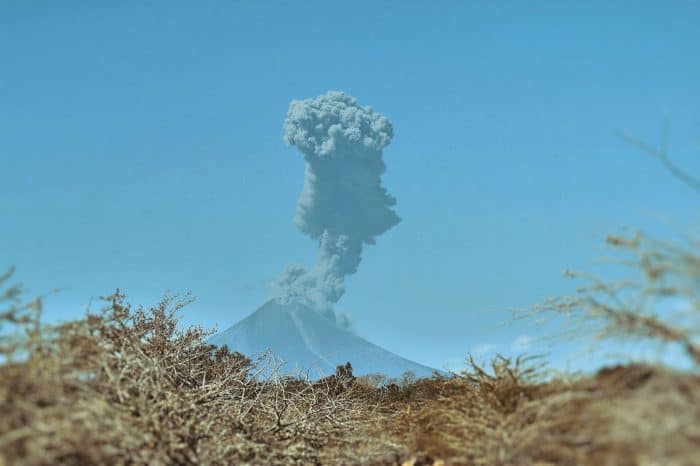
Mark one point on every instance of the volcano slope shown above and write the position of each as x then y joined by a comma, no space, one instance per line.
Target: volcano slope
308,342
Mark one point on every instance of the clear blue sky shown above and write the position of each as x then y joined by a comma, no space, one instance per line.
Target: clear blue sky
141,148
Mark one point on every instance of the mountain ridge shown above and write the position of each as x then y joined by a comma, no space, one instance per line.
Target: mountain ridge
306,340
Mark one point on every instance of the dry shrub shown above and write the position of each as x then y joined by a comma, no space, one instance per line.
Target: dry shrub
458,418
659,304
127,387
625,415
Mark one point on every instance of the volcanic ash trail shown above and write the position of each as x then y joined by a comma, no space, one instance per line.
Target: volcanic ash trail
343,204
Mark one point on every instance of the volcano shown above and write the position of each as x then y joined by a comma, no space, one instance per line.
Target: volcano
306,340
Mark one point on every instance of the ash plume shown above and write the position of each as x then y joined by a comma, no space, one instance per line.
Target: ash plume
343,204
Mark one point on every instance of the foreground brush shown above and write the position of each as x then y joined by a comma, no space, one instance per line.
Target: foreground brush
125,386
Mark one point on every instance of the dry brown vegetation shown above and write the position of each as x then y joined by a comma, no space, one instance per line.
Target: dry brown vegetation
125,386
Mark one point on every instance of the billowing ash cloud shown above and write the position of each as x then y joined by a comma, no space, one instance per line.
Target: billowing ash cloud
343,204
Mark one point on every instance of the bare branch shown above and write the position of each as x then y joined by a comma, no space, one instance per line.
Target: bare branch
661,154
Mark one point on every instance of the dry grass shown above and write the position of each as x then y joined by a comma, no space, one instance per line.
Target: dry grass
658,303
633,415
124,386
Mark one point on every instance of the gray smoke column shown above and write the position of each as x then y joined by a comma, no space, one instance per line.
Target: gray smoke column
343,204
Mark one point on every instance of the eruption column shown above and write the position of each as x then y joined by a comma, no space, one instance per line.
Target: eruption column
343,204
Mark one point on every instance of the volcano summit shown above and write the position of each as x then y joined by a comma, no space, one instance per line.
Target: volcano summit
305,339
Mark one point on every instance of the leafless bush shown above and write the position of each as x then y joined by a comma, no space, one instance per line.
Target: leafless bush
659,302
126,386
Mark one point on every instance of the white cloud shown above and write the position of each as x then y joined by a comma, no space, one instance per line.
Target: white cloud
483,350
521,344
